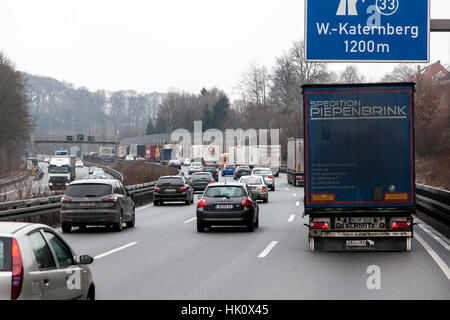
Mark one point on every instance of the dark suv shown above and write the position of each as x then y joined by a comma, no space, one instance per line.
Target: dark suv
172,188
213,170
96,202
242,171
227,204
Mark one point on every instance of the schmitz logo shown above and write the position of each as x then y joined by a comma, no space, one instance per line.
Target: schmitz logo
360,243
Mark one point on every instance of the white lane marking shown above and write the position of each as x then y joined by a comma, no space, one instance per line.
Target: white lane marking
434,255
291,218
144,207
287,189
297,203
267,249
294,194
190,220
115,250
436,235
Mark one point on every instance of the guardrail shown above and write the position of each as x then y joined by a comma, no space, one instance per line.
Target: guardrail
433,201
108,170
10,180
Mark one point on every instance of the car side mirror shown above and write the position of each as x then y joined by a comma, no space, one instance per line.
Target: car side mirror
84,259
129,194
200,196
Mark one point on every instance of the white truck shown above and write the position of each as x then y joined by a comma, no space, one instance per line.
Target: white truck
207,153
256,156
61,172
107,153
295,162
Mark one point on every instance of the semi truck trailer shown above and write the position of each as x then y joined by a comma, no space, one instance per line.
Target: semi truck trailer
295,162
359,166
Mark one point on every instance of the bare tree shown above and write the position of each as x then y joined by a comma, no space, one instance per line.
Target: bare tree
351,74
254,84
401,72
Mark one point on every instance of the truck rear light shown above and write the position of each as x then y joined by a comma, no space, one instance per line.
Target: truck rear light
17,270
202,203
318,225
65,199
111,199
246,202
183,189
401,224
157,190
300,178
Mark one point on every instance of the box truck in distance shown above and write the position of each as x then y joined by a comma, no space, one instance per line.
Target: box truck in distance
359,166
295,162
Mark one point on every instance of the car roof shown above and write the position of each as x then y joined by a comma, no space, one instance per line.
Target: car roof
12,227
169,177
199,173
222,184
96,181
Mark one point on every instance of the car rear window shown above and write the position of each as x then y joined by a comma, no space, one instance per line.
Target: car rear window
229,166
170,181
5,254
229,191
202,176
251,181
89,190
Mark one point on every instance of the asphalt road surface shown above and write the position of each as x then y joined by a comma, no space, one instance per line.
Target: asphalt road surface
164,257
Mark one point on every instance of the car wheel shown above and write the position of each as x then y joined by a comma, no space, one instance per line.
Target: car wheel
66,228
130,224
251,226
119,225
187,202
273,188
265,200
257,221
91,294
83,228
200,227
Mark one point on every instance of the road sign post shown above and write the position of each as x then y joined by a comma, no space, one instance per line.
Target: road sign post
367,30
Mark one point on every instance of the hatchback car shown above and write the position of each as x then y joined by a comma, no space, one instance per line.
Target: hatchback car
195,167
242,171
227,204
228,170
200,180
213,170
96,202
258,187
267,174
172,188
37,264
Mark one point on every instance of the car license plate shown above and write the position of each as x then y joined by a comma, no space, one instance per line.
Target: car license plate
170,190
224,206
87,204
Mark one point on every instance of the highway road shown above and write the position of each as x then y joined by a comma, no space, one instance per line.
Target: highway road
164,257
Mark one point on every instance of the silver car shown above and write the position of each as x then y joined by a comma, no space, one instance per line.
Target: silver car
268,176
37,264
96,202
257,186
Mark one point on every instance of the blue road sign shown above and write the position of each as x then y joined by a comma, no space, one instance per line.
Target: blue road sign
367,30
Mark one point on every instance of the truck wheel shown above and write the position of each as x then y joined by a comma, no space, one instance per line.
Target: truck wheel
66,228
311,244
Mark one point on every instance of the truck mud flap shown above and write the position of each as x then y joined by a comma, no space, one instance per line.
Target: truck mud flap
360,244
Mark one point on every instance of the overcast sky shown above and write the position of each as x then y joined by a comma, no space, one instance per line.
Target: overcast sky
155,45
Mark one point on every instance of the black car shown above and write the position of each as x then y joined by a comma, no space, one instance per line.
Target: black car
241,171
172,188
200,180
213,170
175,164
227,204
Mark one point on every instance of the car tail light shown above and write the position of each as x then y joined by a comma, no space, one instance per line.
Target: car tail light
183,189
17,270
190,181
157,190
212,181
264,190
111,199
246,202
318,225
401,224
65,199
202,202
217,171
270,177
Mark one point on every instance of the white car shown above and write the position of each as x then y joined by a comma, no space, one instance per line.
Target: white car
195,167
268,176
79,164
187,162
129,157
